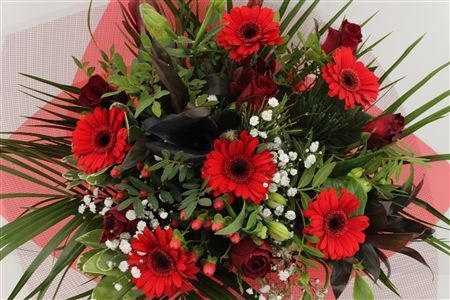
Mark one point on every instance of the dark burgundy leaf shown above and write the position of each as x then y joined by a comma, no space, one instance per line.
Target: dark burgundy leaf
369,259
415,255
377,215
137,154
340,276
216,85
391,241
383,257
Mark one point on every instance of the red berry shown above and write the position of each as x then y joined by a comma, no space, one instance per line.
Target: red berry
216,226
143,194
135,102
115,172
183,215
207,224
197,224
219,204
235,238
120,196
145,173
139,166
193,256
175,244
209,269
174,223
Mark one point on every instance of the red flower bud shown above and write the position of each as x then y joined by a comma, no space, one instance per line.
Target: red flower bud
143,194
235,238
219,204
209,269
197,224
207,224
174,223
120,196
145,173
384,130
216,226
175,244
115,172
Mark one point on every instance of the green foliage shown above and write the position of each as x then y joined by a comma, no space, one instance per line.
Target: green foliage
361,290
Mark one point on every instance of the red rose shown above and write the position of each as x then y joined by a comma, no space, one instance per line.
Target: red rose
384,130
92,92
252,260
349,35
115,223
252,87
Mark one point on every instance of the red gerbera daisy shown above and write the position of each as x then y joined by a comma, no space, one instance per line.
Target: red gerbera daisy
339,234
163,270
236,167
248,28
100,139
350,80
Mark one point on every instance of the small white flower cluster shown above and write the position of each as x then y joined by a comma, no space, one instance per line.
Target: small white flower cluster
265,117
89,202
310,160
286,165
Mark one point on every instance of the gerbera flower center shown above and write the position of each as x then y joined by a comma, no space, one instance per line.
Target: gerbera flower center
160,263
238,169
336,223
350,80
102,139
249,30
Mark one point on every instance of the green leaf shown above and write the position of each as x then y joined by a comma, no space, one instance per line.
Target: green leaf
361,290
205,202
425,121
312,251
63,87
419,111
98,263
400,59
323,174
394,106
91,238
235,225
301,20
104,290
307,176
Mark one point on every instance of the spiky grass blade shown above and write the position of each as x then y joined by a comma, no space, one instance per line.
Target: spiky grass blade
418,112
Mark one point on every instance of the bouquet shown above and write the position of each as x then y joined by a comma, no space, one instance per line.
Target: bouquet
232,157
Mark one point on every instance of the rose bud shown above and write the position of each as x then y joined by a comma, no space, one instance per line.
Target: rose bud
115,223
235,238
115,172
91,93
209,269
197,224
216,226
207,224
120,196
278,231
349,35
145,173
175,244
143,194
275,200
219,204
384,130
252,260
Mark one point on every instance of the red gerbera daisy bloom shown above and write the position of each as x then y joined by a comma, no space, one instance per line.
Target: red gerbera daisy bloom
350,80
100,139
237,168
248,28
339,234
163,270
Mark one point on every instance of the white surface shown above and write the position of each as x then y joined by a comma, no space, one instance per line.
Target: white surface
407,20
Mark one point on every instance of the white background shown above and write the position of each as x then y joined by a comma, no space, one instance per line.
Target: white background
406,19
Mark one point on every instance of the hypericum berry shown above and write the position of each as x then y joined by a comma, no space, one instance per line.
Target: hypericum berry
143,194
115,172
219,204
183,215
175,244
139,166
194,256
120,196
216,226
174,223
197,224
207,224
145,173
209,269
235,238
135,102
